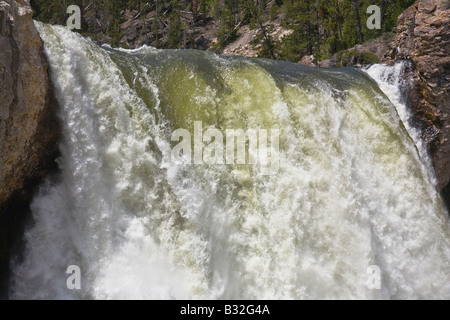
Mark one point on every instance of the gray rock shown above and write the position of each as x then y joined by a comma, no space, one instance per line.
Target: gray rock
309,61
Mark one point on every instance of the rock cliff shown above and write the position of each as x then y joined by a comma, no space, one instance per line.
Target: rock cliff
27,114
423,37
29,128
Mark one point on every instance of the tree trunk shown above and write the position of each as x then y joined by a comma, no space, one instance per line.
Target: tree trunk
267,40
358,19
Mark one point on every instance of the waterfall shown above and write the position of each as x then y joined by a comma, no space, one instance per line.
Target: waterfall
393,80
351,197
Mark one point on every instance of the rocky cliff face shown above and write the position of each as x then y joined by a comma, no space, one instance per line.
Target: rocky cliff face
29,128
27,116
423,36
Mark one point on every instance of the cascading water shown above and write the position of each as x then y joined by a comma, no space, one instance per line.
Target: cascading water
351,191
392,81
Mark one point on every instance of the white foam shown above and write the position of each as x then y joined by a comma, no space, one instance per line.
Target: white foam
350,193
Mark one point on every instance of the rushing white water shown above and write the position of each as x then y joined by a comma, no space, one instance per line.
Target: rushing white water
391,80
351,191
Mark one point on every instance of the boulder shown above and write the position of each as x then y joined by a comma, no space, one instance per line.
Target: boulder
309,61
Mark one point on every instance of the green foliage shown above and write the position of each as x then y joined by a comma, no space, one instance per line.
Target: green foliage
250,12
268,47
324,27
273,12
367,58
352,57
227,31
174,39
319,27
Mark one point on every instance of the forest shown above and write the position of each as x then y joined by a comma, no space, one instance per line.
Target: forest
317,27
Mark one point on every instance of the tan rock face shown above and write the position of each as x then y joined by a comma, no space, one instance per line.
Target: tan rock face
242,45
309,61
28,125
423,36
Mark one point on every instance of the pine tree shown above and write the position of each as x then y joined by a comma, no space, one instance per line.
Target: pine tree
320,27
175,38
